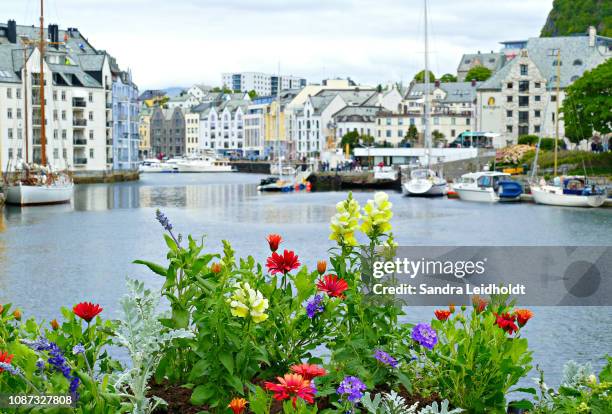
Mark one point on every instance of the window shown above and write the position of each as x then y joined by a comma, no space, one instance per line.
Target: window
63,95
400,121
9,113
63,115
19,153
19,134
18,113
91,153
553,52
10,133
378,121
412,122
523,117
523,129
18,93
537,113
574,78
55,134
537,85
523,100
91,116
524,70
64,153
536,129
467,121
388,133
55,95
537,98
9,93
400,133
508,114
510,85
91,134
509,98
10,153
64,134
509,128
577,62
553,98
436,121
524,86
553,116
453,133
55,116
90,96
388,121
56,153
453,121
557,62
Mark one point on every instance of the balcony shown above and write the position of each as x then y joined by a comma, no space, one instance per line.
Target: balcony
79,141
79,103
79,122
109,105
109,124
80,161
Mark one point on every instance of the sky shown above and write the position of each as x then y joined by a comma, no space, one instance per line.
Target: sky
182,42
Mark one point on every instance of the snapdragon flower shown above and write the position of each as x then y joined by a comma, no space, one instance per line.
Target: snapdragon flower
377,215
345,222
247,301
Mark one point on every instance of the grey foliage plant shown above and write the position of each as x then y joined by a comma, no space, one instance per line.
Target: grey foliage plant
144,337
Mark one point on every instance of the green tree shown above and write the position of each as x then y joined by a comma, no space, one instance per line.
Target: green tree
587,107
412,134
448,77
351,138
379,88
420,77
437,136
479,73
252,94
367,140
575,16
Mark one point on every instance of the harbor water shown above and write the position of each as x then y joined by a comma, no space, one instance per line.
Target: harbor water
59,255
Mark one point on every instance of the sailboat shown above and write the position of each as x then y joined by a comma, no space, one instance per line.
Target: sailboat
38,184
569,191
425,181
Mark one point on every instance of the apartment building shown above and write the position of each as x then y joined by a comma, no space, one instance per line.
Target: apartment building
167,132
79,98
222,125
263,84
125,119
144,132
522,98
192,132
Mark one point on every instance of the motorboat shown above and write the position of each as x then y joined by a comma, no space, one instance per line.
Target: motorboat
488,187
203,164
571,191
153,165
425,182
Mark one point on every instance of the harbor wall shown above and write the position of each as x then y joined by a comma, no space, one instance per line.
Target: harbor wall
96,177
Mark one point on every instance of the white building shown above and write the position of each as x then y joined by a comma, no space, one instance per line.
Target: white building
521,98
192,132
263,84
78,101
222,126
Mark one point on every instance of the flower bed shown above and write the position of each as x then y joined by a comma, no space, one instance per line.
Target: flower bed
245,337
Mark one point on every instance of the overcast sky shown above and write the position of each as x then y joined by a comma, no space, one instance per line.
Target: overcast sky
181,42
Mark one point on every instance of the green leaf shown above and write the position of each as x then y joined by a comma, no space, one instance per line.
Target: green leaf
405,381
235,383
180,317
228,362
171,243
201,394
522,404
527,390
160,270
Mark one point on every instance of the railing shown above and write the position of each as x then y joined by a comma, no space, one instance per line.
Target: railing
79,141
80,161
79,122
78,103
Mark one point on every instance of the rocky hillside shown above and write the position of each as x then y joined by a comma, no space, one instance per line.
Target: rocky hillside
575,16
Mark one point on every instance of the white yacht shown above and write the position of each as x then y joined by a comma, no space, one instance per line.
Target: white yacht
203,164
572,191
488,187
425,182
153,165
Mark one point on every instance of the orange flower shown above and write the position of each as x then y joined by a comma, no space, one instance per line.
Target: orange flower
54,324
17,314
215,268
451,308
292,386
442,314
274,240
480,304
522,316
6,358
321,266
307,371
1,309
237,405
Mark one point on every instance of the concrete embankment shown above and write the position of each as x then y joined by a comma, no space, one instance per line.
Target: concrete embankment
342,180
96,177
261,167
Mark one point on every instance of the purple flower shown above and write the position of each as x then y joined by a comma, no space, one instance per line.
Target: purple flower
314,306
425,335
163,220
11,369
78,349
352,388
385,358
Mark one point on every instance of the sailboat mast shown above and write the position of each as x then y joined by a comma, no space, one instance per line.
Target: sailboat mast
41,45
278,140
426,132
25,101
557,108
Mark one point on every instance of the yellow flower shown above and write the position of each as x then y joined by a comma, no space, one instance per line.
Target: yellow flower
345,222
247,301
377,215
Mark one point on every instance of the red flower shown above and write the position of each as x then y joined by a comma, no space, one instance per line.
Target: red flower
480,304
237,405
522,316
274,240
506,322
6,358
442,314
292,386
308,372
86,310
282,263
333,286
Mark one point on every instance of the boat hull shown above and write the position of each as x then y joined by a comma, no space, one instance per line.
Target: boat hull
424,188
185,168
555,198
25,195
481,195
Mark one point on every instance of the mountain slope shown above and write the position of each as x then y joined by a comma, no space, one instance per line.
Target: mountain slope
575,16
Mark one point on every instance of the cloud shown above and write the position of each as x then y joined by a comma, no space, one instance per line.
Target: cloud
180,42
